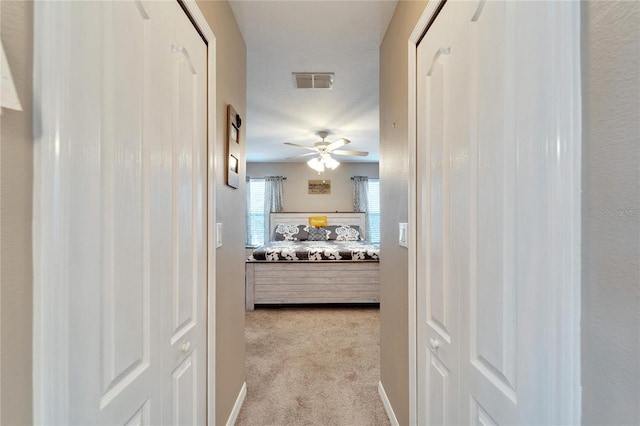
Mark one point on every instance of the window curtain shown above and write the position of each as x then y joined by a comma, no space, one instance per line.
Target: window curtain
361,199
247,214
272,202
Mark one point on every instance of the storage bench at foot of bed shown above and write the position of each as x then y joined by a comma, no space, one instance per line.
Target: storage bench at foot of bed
312,282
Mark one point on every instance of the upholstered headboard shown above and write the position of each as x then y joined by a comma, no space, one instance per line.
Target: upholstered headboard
332,219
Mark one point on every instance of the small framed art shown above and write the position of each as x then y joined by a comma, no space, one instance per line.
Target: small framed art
234,151
320,187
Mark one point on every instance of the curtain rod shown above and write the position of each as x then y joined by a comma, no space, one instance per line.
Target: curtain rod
262,177
353,177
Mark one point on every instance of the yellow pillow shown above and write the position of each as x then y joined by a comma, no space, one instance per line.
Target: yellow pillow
317,221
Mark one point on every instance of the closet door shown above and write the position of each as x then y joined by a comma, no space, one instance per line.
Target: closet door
495,218
181,188
124,148
443,224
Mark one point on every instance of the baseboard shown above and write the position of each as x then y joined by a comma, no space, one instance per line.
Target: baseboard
387,405
238,405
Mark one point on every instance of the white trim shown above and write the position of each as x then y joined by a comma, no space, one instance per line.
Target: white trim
202,24
565,346
387,405
428,13
50,284
237,406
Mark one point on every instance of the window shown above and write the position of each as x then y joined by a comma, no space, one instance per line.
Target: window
255,227
374,210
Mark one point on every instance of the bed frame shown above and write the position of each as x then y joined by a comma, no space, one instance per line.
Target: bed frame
290,282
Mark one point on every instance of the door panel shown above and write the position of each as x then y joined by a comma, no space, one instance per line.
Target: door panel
466,162
185,275
141,417
438,290
493,309
184,391
437,322
439,394
480,416
132,147
125,302
487,150
493,297
186,328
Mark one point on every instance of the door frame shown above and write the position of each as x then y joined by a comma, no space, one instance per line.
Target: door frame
50,288
565,349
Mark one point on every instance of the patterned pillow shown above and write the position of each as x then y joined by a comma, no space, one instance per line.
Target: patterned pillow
344,233
317,233
287,232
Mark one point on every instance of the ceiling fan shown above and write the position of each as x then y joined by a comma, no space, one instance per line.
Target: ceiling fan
323,149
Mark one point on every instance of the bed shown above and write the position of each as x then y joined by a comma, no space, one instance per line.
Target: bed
294,268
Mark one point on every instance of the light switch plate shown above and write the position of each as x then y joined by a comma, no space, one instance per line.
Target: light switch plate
402,235
218,235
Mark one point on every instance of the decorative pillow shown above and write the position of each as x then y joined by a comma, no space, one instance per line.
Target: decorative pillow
288,232
317,233
317,221
344,233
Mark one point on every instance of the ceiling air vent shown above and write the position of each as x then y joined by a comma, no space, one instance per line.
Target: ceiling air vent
313,80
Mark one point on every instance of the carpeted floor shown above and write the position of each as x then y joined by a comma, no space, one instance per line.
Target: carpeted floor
312,366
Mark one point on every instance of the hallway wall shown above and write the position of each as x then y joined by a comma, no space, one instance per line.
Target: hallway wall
611,213
16,182
394,190
231,83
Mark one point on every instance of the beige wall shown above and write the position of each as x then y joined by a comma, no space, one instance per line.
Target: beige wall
231,83
16,180
394,179
611,213
296,197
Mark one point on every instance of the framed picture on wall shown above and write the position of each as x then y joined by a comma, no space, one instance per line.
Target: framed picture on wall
234,151
320,187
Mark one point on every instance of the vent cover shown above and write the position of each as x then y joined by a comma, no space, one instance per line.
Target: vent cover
313,80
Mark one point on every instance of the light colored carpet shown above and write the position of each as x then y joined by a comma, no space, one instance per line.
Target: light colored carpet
312,366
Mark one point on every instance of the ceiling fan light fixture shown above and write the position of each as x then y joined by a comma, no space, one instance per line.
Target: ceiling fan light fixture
324,160
323,149
316,164
331,162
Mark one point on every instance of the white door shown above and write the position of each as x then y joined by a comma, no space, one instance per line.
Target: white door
128,190
443,214
489,148
181,190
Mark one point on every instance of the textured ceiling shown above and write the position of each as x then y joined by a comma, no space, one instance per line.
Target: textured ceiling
316,36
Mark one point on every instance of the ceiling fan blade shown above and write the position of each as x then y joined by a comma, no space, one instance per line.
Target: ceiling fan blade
302,155
343,152
312,148
337,144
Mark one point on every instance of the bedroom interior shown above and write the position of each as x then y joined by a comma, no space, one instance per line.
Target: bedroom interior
328,137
